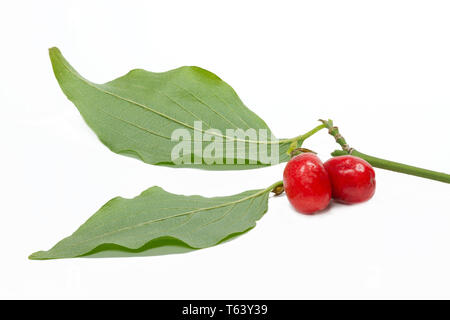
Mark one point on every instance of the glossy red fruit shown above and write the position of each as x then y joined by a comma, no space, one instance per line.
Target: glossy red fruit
352,179
306,183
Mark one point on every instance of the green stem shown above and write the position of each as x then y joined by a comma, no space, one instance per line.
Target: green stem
397,167
299,139
334,131
382,163
276,184
306,135
311,132
276,188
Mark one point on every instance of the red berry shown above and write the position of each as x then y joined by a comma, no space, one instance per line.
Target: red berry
352,179
306,183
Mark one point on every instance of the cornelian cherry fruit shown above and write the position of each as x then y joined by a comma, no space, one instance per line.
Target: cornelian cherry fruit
352,179
306,183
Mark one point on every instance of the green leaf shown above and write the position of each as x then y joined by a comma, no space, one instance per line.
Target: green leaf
137,114
158,222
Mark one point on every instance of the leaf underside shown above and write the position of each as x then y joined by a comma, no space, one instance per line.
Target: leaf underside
135,115
158,222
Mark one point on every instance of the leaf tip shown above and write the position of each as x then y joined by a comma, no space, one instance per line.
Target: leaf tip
39,255
35,256
54,51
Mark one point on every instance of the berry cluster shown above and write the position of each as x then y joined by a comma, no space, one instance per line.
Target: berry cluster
310,184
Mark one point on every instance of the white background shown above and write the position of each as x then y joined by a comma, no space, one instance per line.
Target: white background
380,69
